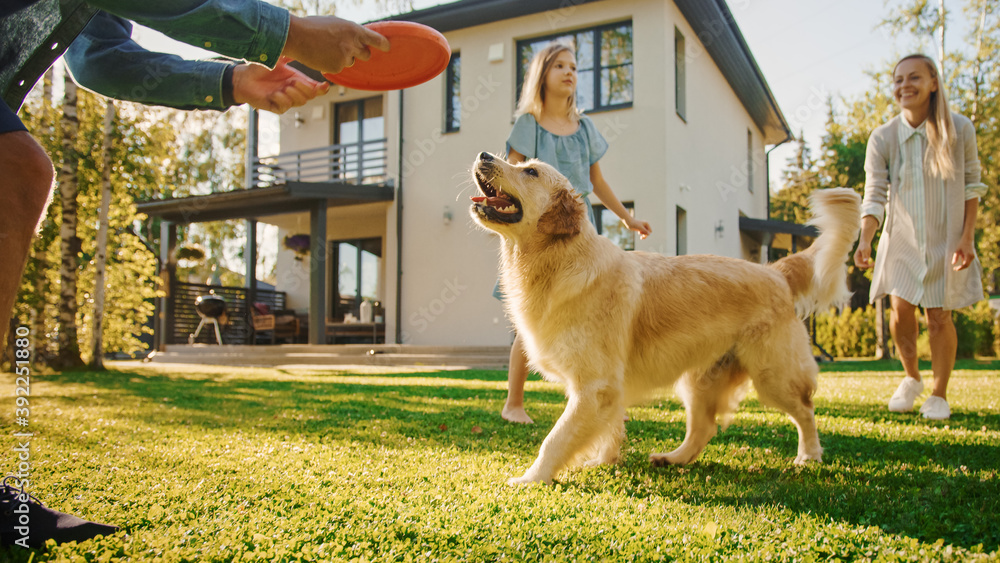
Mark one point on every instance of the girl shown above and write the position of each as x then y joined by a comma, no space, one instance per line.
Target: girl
551,128
926,158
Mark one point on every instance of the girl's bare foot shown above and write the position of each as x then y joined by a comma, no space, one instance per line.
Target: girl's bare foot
516,414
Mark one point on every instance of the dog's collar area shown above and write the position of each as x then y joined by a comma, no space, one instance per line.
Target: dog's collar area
494,205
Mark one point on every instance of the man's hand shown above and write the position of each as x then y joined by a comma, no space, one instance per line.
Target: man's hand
275,90
330,44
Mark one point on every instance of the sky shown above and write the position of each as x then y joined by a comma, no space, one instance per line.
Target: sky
807,50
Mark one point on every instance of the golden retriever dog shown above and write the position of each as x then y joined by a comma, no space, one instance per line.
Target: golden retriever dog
612,325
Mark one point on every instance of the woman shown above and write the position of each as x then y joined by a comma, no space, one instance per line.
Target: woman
926,158
551,128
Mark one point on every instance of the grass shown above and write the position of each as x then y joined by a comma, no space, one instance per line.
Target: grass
224,464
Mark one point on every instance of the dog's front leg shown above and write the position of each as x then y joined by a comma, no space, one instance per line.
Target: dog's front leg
587,413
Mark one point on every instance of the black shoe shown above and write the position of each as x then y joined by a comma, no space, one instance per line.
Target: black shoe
25,522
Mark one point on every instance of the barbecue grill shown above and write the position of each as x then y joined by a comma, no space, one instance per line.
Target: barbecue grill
210,308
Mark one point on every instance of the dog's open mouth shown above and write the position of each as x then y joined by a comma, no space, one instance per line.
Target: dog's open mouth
494,205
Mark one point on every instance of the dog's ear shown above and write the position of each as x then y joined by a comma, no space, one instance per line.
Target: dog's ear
562,218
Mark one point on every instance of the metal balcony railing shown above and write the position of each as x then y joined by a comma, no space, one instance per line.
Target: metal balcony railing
353,163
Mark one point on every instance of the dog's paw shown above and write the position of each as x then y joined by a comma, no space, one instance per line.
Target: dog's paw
803,459
526,480
660,460
663,460
597,462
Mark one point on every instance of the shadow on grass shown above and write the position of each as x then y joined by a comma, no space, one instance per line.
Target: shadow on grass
927,490
921,489
334,409
877,413
894,365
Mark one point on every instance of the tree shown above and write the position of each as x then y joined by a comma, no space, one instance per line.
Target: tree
144,146
68,353
978,86
97,353
799,179
923,20
843,154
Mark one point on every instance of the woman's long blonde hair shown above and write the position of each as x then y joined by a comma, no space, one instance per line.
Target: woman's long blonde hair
940,128
533,90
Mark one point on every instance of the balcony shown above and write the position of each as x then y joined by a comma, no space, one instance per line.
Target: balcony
334,175
356,163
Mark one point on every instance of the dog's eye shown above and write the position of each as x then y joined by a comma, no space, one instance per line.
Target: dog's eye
531,172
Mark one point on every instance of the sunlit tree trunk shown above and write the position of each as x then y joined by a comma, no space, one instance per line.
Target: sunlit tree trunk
68,354
97,355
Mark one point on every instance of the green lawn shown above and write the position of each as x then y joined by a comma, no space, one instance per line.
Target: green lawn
224,464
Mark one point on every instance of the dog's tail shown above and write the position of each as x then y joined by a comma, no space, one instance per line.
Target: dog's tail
817,276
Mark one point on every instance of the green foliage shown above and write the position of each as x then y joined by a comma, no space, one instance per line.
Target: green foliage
221,464
800,178
976,329
847,334
131,282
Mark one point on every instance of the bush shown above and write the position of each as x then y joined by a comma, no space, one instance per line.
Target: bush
976,328
850,333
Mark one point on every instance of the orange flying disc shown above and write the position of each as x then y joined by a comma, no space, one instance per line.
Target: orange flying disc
417,53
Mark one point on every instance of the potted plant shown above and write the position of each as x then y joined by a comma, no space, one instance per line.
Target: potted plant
299,244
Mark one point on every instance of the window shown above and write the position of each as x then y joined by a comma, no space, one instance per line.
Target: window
603,64
360,128
680,79
355,267
609,225
682,230
453,94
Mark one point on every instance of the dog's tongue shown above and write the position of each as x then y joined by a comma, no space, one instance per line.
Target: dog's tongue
493,201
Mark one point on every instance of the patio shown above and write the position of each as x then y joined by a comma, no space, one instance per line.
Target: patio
309,181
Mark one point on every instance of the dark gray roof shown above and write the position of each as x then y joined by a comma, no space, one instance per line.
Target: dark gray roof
711,21
715,27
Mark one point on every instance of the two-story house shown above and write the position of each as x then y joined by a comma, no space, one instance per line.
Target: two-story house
381,180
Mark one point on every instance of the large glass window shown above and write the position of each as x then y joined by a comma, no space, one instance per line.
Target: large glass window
356,275
609,225
603,64
453,94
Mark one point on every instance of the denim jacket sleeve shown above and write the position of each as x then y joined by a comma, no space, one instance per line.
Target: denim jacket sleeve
104,58
250,30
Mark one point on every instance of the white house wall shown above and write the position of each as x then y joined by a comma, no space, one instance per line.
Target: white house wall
707,152
655,159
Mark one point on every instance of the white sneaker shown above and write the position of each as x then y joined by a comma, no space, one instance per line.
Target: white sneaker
936,408
906,393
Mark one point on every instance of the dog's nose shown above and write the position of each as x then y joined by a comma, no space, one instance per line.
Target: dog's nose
485,157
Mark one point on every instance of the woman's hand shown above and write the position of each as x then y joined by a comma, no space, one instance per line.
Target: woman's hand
863,256
964,254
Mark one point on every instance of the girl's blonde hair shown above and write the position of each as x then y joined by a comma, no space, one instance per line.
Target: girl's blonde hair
940,128
533,90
